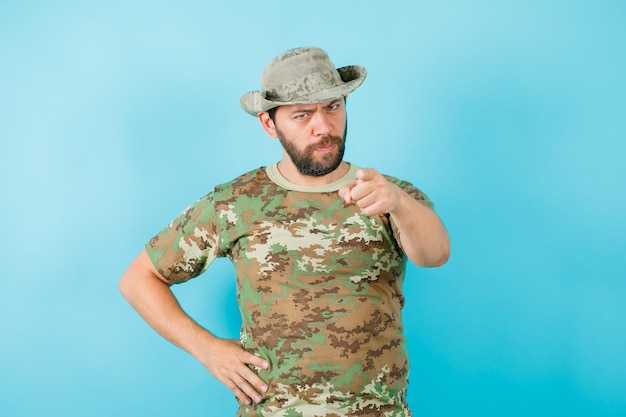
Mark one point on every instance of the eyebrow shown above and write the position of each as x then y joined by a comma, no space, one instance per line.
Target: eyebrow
308,108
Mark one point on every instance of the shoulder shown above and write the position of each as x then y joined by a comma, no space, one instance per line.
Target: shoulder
244,190
227,191
412,190
250,178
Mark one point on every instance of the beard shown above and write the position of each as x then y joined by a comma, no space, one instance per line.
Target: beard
305,160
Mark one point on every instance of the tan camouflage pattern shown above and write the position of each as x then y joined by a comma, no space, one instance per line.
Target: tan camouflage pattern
302,75
319,287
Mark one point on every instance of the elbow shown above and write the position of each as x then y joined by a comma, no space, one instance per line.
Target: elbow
443,252
124,286
444,255
434,258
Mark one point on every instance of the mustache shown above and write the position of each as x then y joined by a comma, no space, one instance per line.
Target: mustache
325,141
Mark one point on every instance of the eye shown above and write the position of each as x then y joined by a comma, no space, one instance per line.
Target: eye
300,116
333,106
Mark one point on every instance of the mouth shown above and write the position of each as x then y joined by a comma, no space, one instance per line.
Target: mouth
326,148
326,145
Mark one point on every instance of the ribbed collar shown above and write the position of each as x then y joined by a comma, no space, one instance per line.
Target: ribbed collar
274,173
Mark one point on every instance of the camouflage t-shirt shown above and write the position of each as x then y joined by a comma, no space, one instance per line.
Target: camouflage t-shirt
319,287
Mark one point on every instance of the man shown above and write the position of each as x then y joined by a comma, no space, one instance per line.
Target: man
319,248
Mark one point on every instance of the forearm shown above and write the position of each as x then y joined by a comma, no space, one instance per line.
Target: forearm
152,298
422,234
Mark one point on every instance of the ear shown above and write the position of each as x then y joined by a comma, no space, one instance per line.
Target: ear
268,124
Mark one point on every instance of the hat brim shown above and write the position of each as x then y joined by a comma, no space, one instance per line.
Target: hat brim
353,76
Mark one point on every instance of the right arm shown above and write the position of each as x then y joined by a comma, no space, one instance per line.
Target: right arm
149,293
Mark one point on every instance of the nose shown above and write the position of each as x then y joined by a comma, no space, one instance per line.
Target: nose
321,123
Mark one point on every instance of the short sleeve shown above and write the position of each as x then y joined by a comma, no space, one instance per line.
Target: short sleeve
187,246
414,192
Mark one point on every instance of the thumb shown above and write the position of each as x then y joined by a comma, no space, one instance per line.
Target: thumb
344,192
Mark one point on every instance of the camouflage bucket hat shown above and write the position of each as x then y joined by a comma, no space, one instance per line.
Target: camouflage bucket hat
299,76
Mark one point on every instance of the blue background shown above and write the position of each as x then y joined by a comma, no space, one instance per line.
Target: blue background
114,116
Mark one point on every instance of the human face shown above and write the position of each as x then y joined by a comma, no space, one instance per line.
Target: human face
313,135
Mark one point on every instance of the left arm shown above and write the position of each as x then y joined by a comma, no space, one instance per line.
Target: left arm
422,234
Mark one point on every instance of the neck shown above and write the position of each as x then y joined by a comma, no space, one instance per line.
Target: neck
291,173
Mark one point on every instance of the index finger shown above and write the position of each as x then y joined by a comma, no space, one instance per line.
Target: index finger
366,174
255,360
